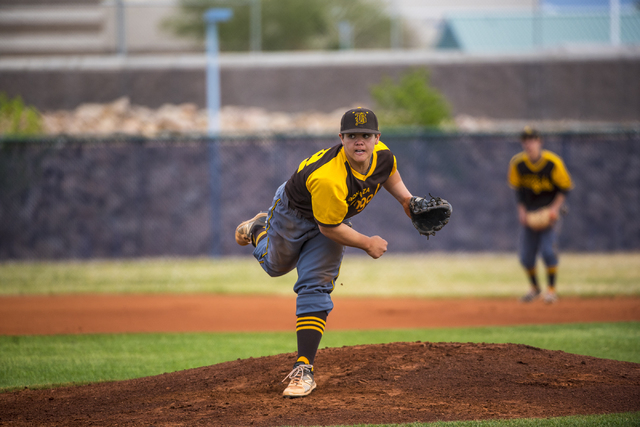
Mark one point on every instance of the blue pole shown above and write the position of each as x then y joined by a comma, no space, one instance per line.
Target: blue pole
216,197
212,17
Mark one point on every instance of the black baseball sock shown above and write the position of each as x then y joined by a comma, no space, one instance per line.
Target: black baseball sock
551,277
257,234
533,279
309,330
258,231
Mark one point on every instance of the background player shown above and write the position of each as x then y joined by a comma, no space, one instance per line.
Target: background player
541,180
307,227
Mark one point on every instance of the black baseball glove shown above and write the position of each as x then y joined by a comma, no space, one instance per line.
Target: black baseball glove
429,216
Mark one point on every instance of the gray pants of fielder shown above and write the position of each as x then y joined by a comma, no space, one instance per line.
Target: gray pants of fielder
532,242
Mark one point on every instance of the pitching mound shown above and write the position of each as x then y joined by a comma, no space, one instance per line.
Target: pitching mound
390,383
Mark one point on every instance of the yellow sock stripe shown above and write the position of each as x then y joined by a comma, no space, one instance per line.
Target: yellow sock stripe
260,236
308,318
303,359
552,270
531,271
315,328
306,325
310,322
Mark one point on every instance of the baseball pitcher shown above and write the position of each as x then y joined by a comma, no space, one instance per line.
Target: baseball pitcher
307,227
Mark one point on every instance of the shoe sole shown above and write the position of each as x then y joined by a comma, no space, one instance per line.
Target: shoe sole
293,396
239,239
527,299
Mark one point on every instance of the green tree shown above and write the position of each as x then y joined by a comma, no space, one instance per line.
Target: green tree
18,119
411,102
189,23
288,24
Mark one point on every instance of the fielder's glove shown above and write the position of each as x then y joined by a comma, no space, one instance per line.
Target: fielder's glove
429,216
542,218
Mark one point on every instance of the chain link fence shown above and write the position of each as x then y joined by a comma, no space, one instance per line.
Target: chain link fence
125,27
118,198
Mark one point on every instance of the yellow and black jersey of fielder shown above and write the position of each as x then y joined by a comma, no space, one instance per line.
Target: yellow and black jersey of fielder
537,184
325,188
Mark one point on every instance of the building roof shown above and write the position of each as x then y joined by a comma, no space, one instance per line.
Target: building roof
521,32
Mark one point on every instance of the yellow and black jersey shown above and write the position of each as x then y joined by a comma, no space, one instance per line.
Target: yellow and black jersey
537,184
326,189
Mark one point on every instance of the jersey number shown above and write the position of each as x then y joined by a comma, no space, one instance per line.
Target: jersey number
363,202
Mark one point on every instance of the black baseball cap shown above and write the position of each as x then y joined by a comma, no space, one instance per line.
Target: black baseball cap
529,133
359,120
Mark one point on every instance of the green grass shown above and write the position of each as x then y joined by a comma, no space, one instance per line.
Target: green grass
433,276
609,420
42,361
45,361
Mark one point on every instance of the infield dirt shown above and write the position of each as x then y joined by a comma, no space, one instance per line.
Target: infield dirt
386,383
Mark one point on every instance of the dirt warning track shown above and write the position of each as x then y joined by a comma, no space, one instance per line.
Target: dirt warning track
78,314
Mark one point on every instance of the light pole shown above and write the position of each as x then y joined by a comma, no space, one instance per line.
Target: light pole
212,17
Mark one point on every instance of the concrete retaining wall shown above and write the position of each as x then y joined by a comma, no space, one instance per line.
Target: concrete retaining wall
591,87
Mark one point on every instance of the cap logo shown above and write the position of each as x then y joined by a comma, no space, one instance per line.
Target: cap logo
361,118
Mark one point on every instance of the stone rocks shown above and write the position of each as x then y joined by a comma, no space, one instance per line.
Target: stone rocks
121,117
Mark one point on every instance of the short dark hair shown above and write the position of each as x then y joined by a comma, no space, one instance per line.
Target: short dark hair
529,133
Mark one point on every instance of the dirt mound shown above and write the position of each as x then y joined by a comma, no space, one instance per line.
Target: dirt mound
387,383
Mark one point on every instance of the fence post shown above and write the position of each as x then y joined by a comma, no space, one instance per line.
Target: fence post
256,26
614,22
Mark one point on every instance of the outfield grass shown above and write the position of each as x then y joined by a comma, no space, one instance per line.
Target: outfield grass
42,361
433,276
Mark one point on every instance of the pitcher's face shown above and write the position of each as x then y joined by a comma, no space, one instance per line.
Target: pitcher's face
358,147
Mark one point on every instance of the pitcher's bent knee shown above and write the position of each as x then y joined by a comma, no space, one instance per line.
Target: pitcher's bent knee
276,271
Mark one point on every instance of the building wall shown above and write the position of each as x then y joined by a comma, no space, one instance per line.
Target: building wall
601,87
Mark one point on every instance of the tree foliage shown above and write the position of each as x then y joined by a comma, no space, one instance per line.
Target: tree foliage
288,24
18,119
411,102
